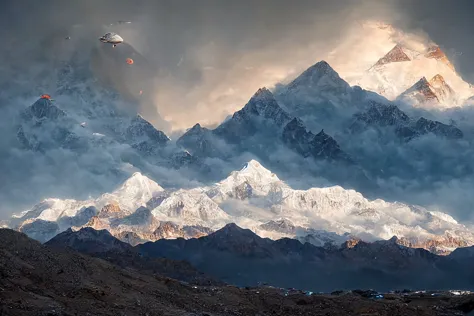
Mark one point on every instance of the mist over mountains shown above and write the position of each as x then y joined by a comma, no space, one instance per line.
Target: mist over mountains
315,130
333,152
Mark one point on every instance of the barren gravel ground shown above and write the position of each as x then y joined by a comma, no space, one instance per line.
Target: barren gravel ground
37,280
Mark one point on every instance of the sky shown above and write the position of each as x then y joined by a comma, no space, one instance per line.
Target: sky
213,55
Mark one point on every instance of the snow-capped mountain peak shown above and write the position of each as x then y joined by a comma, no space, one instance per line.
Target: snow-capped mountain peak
422,91
435,92
395,55
136,191
196,129
252,180
444,92
320,76
133,193
393,61
139,182
254,172
254,169
251,197
42,109
263,104
262,94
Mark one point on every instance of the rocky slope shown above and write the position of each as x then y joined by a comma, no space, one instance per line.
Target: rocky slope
102,244
432,93
380,115
322,99
246,259
257,127
39,280
263,127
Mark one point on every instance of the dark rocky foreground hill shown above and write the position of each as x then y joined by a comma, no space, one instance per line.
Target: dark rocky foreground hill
101,244
245,259
39,280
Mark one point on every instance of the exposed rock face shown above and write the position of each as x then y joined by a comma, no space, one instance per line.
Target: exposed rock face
96,223
261,112
200,141
130,284
328,148
443,91
44,126
168,230
436,246
141,217
110,210
383,115
435,52
422,92
263,116
378,264
395,55
130,238
318,95
424,126
406,62
171,230
144,137
319,146
43,109
434,92
82,217
321,76
389,115
281,226
351,243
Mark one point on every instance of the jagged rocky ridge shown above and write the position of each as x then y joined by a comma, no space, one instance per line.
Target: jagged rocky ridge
62,281
428,93
389,115
321,98
247,259
101,244
254,197
263,122
263,128
320,88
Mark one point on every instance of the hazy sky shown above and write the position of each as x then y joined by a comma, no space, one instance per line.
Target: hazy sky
212,55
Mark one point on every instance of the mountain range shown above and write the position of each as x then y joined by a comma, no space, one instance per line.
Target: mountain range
141,210
56,279
397,60
314,123
246,259
355,160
